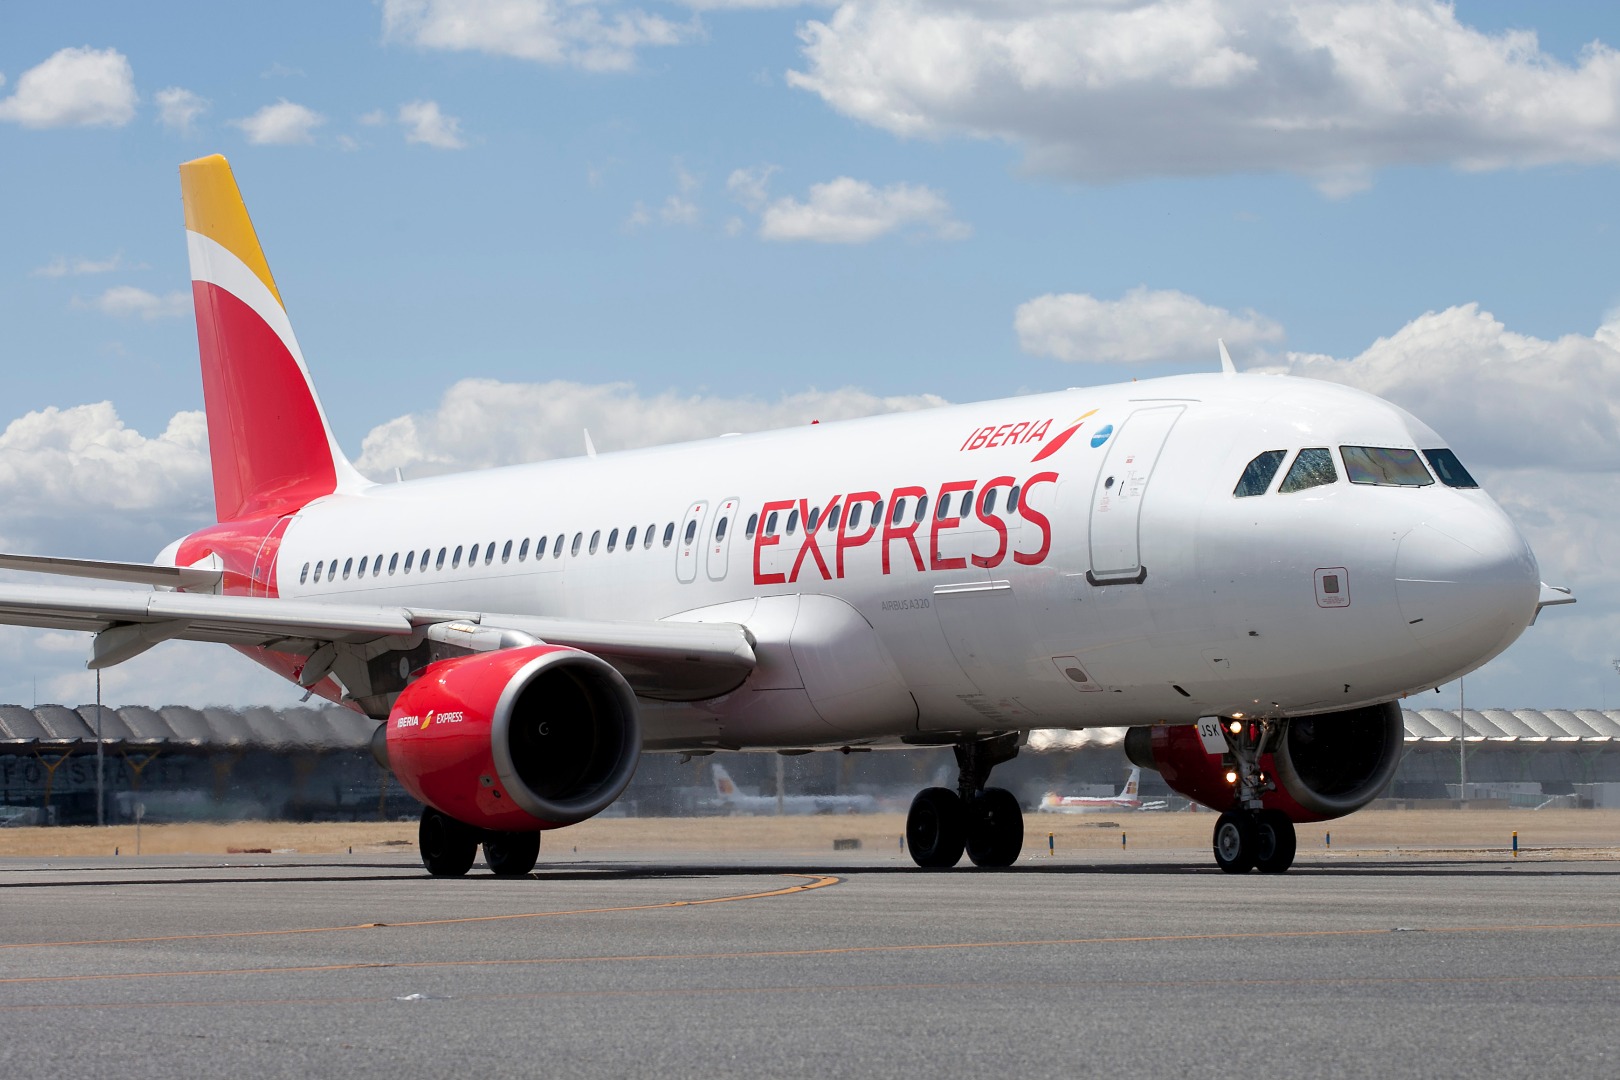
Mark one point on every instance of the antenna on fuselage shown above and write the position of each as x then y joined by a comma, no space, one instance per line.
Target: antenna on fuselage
1226,359
590,447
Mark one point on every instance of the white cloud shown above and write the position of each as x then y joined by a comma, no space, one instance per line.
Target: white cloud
126,301
591,34
749,186
1098,90
848,211
1506,400
79,87
178,109
482,423
281,124
61,266
426,124
1142,326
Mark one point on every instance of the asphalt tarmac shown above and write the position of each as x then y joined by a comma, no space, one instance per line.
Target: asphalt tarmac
852,966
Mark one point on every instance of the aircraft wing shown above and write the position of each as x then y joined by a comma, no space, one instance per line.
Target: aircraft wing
673,661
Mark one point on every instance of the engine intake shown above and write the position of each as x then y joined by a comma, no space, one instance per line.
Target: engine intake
519,739
1325,766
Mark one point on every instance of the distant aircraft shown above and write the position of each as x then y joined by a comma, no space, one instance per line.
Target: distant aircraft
1249,571
1127,799
728,797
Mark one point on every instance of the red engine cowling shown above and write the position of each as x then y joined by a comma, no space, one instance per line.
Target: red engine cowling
1324,766
516,740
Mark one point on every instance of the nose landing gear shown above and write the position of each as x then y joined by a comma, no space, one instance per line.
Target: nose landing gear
987,823
1249,836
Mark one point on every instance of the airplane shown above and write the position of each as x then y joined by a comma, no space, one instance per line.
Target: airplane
1127,799
734,801
1248,571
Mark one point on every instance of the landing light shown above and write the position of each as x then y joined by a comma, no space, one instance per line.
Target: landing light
1236,726
1231,776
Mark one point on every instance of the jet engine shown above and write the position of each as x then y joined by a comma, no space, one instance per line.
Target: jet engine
515,740
1321,767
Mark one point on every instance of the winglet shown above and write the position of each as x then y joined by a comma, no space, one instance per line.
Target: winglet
271,447
1226,359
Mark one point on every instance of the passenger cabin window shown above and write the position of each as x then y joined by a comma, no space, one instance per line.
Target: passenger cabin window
1257,474
691,530
1012,500
523,549
613,541
922,509
943,510
438,564
753,523
630,538
362,572
1385,466
472,556
770,525
855,516
1449,469
720,530
987,501
410,557
669,534
489,553
455,559
813,520
1312,468
832,517
556,547
303,575
376,565
573,549
596,538
877,513
647,537
899,511
393,563
792,524
506,552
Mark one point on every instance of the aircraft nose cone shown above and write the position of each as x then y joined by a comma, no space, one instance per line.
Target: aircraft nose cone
1467,585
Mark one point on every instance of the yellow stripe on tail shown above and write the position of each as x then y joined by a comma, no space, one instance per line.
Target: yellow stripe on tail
214,209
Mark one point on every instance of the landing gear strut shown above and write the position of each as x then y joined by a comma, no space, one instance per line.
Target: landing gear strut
449,847
1249,836
986,822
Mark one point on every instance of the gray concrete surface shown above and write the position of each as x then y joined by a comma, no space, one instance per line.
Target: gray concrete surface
361,967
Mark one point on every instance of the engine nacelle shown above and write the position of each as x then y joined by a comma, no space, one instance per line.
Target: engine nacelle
1324,766
516,740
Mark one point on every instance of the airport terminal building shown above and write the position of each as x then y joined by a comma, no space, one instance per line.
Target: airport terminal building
177,763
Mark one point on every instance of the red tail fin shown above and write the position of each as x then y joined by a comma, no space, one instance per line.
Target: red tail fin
271,448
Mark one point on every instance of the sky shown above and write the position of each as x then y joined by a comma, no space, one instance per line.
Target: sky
496,222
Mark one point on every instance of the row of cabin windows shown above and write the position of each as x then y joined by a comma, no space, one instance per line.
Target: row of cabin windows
414,563
1381,466
945,508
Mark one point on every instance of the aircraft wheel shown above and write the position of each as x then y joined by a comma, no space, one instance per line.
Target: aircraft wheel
995,828
935,829
511,854
448,847
1276,842
1236,841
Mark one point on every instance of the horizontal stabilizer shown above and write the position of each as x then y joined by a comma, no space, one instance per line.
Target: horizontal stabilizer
169,577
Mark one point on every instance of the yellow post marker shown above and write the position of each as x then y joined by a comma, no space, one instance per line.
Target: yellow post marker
1051,844
1515,843
1122,841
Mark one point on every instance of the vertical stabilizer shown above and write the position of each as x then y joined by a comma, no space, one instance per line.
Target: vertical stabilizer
271,448
1133,784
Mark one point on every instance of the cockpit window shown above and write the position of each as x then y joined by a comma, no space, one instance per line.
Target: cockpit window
1449,469
1385,466
1257,474
1312,468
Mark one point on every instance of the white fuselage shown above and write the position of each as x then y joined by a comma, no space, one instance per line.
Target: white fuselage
1130,586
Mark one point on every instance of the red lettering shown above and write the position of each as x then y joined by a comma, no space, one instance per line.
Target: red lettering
1018,429
810,544
945,491
1000,431
979,437
763,541
907,532
1036,518
847,541
995,522
1040,432
969,439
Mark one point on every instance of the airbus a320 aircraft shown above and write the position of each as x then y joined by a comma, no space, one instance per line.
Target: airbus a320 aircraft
1247,570
1129,798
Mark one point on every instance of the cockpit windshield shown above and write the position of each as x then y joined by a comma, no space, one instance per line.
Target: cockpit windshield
1385,466
1449,469
1257,474
1312,468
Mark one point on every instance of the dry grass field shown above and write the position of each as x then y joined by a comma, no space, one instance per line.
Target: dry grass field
1430,833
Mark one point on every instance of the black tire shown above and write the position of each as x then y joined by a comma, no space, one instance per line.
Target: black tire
1235,842
1276,842
935,829
511,854
995,828
448,847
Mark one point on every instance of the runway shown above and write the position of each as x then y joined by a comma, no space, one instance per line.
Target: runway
849,966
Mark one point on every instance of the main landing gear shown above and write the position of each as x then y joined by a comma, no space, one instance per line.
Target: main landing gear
1249,836
985,822
449,847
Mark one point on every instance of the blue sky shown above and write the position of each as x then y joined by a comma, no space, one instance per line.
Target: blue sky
751,211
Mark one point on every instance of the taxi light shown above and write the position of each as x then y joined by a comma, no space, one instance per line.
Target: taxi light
1235,727
1231,776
